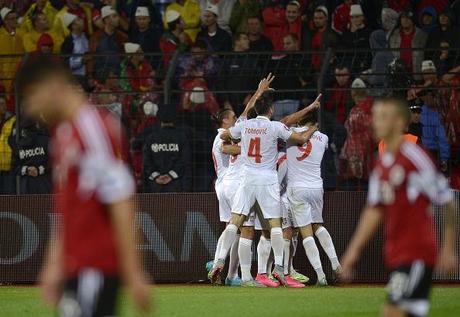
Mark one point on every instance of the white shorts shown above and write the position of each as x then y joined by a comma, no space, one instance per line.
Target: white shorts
267,196
225,191
306,205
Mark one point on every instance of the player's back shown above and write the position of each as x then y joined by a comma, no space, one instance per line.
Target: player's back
404,185
259,147
220,159
89,175
304,161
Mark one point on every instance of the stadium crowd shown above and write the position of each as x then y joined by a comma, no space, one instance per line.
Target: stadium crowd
122,51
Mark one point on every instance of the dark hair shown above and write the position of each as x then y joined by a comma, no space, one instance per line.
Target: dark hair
252,113
311,117
401,105
237,36
263,106
40,70
173,25
221,115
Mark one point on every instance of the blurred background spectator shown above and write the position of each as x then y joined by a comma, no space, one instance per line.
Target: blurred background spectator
7,176
216,38
258,42
144,33
225,9
189,11
242,10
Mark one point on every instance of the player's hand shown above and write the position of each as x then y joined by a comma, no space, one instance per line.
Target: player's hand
348,264
315,104
139,291
447,261
166,179
50,280
264,84
160,180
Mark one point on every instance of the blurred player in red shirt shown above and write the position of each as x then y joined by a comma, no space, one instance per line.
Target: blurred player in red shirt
402,187
94,247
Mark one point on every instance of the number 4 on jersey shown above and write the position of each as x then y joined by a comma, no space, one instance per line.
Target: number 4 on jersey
254,149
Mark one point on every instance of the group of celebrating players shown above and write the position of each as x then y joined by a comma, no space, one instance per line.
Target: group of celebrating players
269,179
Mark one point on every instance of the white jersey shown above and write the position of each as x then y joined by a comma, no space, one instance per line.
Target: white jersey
304,162
236,163
221,160
259,148
282,171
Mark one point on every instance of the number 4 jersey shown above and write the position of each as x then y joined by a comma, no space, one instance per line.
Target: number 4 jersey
259,148
304,161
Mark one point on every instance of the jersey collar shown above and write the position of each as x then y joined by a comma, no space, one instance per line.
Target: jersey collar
262,117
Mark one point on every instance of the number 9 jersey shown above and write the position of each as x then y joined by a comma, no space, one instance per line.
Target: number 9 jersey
304,161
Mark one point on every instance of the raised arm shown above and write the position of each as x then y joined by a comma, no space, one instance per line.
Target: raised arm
292,119
302,137
264,85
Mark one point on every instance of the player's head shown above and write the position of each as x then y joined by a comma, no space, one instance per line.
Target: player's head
44,88
264,107
390,117
252,113
225,118
310,118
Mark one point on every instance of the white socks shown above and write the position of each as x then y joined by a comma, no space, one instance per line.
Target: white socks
328,246
264,248
218,247
313,256
244,253
295,241
277,245
287,255
234,259
228,237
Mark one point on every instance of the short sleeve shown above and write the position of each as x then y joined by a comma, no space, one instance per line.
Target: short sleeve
235,131
282,131
373,190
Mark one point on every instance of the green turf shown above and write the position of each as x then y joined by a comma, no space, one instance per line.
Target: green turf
222,302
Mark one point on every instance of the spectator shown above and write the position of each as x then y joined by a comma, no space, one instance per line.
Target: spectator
75,44
427,20
407,37
7,122
189,10
108,41
295,25
45,45
416,126
123,17
240,71
225,9
380,60
136,72
290,72
446,31
338,99
197,64
389,19
147,36
31,159
341,16
197,98
322,38
43,6
444,59
10,43
40,26
356,35
166,156
434,136
242,10
81,9
274,17
217,39
257,41
356,157
128,8
174,38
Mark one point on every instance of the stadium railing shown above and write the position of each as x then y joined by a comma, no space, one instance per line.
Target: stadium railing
196,83
178,235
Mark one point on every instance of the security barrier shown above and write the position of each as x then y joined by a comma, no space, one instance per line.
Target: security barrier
178,235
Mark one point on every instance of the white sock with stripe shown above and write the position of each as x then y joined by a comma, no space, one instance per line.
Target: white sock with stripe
228,237
263,253
313,256
287,255
244,252
277,245
328,246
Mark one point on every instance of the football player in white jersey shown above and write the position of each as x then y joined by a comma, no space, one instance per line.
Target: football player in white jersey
259,181
221,155
305,195
228,166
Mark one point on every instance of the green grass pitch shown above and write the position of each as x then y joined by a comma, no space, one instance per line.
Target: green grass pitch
223,301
